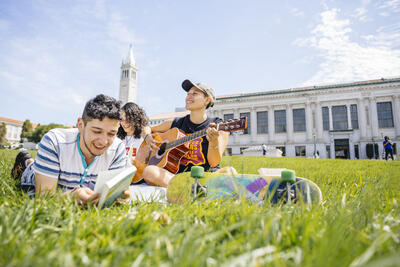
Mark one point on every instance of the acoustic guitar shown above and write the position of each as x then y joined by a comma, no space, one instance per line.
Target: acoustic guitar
174,145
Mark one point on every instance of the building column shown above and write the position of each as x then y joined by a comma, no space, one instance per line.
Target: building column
362,120
318,121
271,125
330,118
289,123
253,126
309,126
396,115
236,113
373,117
349,124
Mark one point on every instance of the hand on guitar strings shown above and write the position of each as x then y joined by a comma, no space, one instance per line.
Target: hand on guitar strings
212,135
151,142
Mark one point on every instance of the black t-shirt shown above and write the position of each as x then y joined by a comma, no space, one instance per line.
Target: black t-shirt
198,148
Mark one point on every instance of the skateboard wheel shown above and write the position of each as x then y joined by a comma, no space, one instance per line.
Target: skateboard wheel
197,172
288,176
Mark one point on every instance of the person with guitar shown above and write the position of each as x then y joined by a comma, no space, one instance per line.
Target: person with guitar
206,150
133,127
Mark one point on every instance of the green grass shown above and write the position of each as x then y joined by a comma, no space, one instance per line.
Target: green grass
358,224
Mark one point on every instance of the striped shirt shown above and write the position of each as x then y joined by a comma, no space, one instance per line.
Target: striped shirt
60,157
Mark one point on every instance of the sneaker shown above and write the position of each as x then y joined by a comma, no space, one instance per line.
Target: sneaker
19,164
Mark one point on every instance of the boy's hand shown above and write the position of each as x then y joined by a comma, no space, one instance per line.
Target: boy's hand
85,196
125,198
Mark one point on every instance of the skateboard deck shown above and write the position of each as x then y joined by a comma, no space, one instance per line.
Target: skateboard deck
183,188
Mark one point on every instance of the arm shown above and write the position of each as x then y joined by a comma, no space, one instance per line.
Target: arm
218,141
162,127
45,185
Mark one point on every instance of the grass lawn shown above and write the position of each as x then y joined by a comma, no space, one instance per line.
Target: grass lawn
358,224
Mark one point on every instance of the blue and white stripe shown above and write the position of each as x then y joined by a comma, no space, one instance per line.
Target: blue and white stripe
59,158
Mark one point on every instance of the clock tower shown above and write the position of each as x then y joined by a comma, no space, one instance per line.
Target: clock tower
128,81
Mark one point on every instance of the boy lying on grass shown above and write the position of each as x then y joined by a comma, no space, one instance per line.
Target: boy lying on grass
70,159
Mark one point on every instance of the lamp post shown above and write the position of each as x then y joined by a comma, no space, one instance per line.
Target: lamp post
315,145
373,148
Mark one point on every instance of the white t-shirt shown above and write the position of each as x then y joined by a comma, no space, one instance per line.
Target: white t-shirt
132,144
60,157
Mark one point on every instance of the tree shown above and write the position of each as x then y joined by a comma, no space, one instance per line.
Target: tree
3,132
27,130
41,130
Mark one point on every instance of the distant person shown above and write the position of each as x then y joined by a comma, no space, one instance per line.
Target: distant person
204,151
388,145
264,149
70,159
132,129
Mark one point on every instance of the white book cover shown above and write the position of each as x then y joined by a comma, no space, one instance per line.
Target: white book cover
111,184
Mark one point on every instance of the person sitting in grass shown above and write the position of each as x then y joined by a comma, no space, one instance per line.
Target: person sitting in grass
70,159
204,151
133,128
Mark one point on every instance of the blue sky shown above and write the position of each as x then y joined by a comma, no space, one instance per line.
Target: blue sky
55,55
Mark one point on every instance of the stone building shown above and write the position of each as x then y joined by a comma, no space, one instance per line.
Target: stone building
14,129
335,121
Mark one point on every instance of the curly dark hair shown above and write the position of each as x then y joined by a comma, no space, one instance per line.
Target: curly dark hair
136,116
102,106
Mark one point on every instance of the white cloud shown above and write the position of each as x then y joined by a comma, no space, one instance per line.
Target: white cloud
361,14
346,60
296,12
392,5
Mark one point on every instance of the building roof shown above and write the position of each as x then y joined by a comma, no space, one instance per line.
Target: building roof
163,116
311,88
3,119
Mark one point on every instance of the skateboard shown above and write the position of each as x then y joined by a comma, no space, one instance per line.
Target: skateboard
284,188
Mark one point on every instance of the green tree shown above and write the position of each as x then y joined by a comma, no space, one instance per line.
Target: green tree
41,130
27,130
3,132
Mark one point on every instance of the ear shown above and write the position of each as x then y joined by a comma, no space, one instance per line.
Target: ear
80,124
209,101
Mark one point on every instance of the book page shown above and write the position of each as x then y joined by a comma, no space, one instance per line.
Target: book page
115,186
103,177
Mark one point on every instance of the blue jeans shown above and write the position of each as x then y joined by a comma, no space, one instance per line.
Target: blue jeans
27,183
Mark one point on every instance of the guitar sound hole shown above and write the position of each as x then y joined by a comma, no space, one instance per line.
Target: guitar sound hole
161,149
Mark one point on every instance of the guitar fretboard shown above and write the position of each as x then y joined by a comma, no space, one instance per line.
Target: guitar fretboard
186,139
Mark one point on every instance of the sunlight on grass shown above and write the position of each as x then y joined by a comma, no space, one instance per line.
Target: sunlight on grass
358,224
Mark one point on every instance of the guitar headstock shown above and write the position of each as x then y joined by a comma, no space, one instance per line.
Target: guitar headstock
233,125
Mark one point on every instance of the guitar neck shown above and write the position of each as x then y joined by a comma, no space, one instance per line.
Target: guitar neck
186,139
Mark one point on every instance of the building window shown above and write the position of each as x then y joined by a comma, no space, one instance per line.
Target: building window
262,122
339,117
280,121
246,114
356,152
228,117
241,149
325,118
299,120
385,115
228,151
300,151
328,151
354,116
283,149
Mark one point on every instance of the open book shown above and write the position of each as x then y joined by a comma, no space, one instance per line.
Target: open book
111,184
